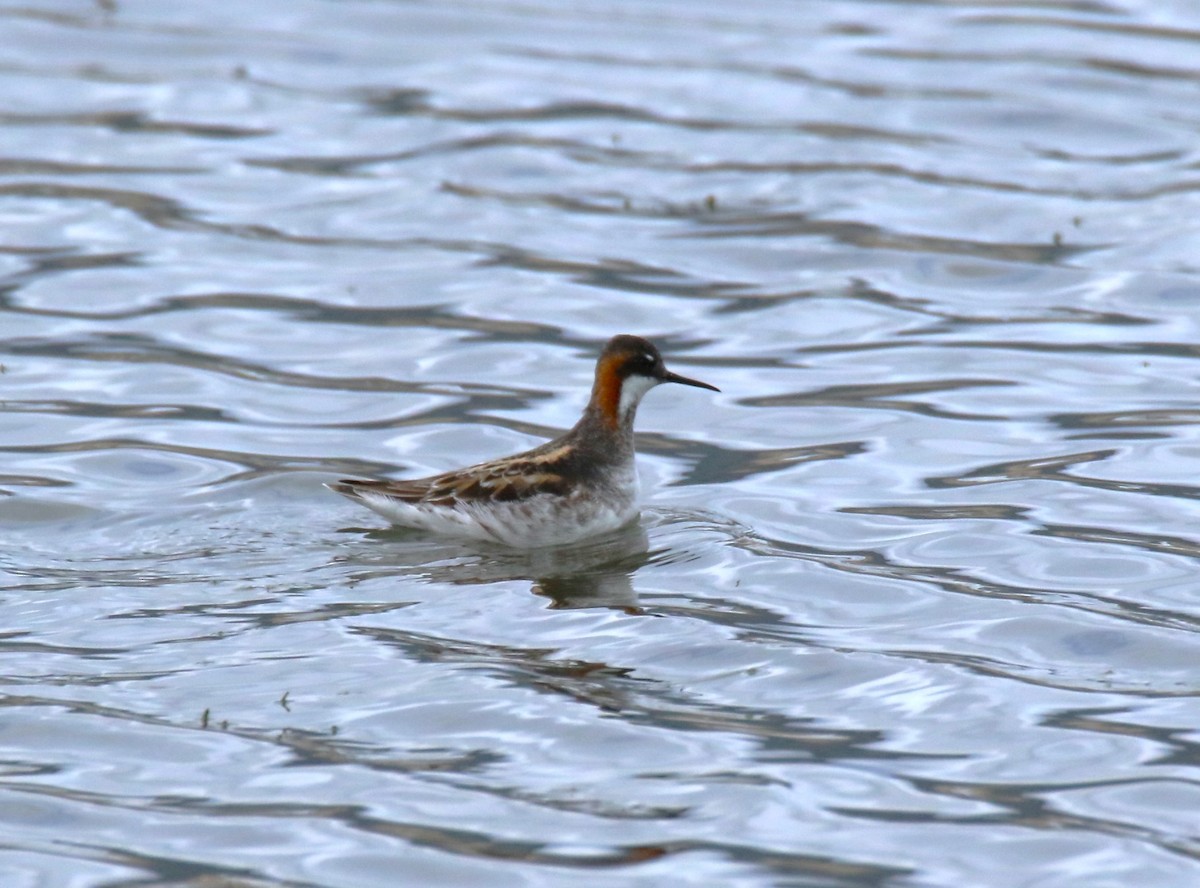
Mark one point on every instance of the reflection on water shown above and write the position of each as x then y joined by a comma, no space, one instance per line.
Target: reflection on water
914,595
593,573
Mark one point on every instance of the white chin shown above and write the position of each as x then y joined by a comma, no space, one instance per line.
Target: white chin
632,391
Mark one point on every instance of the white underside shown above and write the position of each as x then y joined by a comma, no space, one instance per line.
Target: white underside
540,521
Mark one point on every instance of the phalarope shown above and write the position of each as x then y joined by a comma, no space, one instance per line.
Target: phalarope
578,485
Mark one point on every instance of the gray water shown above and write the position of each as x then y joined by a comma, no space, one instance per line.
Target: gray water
912,602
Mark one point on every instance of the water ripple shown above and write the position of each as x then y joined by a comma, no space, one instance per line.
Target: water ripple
921,576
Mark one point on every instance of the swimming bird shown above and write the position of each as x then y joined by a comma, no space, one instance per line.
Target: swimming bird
581,484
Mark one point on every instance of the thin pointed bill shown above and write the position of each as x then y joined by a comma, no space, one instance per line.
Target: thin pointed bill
668,376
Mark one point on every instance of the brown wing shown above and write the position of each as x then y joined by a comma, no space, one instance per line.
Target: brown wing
497,482
506,481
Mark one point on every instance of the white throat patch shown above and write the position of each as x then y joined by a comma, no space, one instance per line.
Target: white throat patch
632,390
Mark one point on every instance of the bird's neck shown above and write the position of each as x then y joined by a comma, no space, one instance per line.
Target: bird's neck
605,433
614,401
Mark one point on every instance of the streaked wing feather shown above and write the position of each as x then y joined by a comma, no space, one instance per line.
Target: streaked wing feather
496,482
506,481
408,491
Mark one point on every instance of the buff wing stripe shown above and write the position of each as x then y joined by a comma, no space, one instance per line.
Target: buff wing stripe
506,483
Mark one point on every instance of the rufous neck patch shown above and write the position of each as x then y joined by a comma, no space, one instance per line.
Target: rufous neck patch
606,395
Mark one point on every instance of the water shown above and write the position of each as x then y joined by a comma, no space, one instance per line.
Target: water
913,601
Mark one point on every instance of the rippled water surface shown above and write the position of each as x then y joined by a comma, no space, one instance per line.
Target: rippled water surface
913,601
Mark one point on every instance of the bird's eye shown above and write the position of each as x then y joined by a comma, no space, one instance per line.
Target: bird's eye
643,364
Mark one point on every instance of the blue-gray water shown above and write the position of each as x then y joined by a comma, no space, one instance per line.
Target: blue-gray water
913,603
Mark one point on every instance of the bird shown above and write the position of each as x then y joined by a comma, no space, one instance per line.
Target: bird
582,484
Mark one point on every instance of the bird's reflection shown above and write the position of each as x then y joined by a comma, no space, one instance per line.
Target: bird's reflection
594,573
